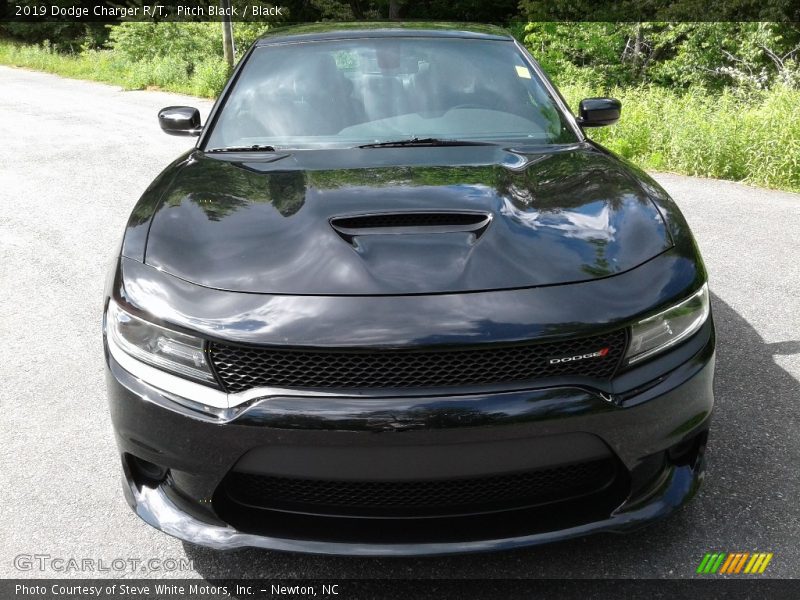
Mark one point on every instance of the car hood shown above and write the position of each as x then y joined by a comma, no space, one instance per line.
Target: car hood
500,219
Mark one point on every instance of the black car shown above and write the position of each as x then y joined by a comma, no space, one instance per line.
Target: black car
395,302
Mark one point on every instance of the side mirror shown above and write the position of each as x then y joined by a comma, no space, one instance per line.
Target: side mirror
596,112
180,120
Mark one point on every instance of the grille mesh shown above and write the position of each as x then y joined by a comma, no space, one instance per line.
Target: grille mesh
439,496
244,367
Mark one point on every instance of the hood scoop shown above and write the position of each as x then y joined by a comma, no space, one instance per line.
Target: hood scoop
363,228
405,223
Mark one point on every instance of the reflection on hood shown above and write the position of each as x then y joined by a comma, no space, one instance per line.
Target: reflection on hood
592,222
572,215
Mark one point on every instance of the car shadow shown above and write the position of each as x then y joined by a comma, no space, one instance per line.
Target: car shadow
747,502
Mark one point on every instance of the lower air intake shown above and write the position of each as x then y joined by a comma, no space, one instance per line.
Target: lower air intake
420,497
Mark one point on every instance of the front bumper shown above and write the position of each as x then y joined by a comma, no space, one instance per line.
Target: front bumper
677,485
655,433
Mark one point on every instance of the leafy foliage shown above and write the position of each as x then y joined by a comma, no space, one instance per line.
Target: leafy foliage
194,42
64,36
178,56
498,11
714,56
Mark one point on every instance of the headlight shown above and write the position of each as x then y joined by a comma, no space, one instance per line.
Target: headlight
163,348
659,332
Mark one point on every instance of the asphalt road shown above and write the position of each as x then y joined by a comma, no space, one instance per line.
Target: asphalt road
74,157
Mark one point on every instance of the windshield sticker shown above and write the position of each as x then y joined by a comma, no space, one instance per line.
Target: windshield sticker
523,72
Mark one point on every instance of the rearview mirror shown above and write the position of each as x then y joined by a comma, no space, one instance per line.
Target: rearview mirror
596,112
180,120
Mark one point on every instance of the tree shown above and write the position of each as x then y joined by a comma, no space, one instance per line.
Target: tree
227,32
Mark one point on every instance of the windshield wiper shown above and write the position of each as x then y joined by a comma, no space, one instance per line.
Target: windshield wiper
415,141
253,148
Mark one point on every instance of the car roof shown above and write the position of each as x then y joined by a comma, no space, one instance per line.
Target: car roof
337,31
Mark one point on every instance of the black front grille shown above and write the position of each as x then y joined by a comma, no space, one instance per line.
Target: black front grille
244,367
421,497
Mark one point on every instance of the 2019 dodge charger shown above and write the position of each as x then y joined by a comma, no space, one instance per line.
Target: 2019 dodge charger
395,301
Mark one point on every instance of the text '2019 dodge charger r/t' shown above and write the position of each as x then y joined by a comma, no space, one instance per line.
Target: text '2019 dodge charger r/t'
395,302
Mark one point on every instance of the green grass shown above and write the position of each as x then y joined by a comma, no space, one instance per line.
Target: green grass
755,140
204,78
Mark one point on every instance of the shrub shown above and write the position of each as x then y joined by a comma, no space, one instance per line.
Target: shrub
193,42
146,41
179,56
209,77
726,136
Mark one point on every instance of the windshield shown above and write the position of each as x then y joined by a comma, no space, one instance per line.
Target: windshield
367,91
